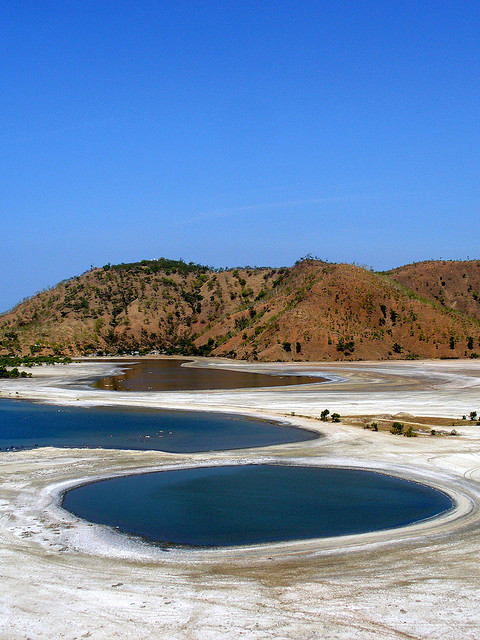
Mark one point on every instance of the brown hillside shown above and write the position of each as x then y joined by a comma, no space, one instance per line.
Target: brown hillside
454,284
153,305
311,311
335,312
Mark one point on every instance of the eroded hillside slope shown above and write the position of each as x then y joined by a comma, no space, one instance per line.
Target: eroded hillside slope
454,284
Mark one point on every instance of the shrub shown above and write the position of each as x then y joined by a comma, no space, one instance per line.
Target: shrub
397,428
345,346
324,415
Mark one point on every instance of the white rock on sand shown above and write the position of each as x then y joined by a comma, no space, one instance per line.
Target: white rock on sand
63,578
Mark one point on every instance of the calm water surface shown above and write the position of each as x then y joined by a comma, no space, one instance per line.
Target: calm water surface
252,504
170,375
24,424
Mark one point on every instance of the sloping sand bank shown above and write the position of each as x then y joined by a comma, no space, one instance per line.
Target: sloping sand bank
63,578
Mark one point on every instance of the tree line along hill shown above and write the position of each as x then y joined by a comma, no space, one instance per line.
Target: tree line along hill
312,311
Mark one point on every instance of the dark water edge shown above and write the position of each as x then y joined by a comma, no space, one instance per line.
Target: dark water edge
170,375
253,504
28,425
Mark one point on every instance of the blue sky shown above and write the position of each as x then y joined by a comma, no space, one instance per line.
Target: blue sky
232,133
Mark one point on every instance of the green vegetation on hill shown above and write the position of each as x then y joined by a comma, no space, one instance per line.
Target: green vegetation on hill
162,264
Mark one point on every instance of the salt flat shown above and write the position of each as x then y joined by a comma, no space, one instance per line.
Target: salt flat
63,578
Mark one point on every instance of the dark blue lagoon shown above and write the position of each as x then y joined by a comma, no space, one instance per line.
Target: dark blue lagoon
24,424
253,504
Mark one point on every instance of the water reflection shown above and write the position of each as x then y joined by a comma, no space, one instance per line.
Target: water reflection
170,375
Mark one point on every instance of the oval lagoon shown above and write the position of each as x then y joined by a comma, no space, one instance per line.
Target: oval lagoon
253,504
26,425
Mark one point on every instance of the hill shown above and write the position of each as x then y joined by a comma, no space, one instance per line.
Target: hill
453,284
311,311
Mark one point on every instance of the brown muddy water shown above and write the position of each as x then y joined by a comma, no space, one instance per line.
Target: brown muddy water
170,375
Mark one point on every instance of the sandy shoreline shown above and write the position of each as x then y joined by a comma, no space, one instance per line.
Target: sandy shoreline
62,578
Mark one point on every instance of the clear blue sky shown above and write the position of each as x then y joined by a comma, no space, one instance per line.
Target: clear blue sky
233,133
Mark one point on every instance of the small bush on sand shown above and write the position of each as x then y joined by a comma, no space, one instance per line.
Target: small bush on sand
397,428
